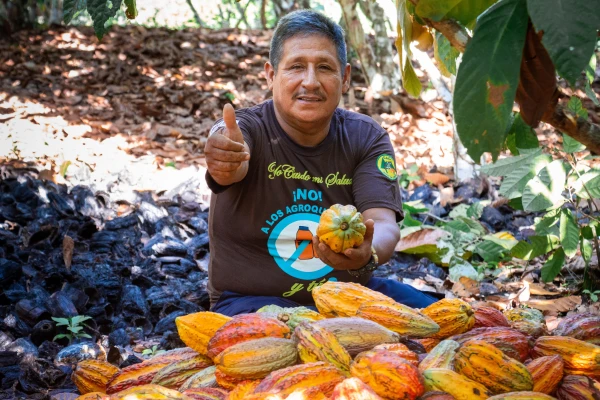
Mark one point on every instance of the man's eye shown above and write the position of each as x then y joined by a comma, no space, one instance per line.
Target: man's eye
296,66
326,67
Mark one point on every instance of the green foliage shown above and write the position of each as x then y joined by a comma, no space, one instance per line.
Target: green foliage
487,80
446,53
405,177
569,32
593,295
521,136
153,351
71,8
464,11
74,326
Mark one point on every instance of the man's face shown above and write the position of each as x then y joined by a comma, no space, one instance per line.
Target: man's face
309,81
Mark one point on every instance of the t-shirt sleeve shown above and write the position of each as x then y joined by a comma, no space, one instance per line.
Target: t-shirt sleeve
248,128
375,181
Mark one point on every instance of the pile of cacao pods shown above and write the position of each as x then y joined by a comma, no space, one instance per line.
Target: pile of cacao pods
362,345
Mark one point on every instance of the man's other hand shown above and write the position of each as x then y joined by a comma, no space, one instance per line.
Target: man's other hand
226,152
353,258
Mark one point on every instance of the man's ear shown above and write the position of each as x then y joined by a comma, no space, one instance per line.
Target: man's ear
346,80
270,71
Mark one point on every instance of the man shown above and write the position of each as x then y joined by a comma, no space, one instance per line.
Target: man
275,167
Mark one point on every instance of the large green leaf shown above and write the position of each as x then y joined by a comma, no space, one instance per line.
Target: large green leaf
513,184
488,77
544,191
539,245
101,12
553,266
72,7
521,136
569,232
464,11
588,184
507,166
410,81
569,32
571,145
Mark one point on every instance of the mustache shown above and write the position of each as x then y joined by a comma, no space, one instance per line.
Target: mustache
319,95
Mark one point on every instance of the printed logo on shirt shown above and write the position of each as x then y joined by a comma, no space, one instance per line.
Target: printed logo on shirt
387,165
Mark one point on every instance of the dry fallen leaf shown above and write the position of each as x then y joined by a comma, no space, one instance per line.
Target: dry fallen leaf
422,241
68,246
562,304
436,178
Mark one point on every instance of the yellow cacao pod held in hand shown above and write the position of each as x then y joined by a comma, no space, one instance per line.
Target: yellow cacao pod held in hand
341,227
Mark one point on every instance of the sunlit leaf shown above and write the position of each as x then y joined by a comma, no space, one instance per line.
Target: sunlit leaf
553,266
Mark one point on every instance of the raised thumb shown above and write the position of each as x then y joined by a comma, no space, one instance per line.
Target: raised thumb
233,130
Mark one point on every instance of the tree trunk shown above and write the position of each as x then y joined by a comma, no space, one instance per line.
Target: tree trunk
377,63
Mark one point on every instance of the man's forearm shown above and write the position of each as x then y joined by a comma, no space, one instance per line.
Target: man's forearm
385,238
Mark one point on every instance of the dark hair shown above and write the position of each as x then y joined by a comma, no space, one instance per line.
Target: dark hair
305,23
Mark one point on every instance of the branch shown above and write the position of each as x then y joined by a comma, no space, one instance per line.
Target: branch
579,129
196,16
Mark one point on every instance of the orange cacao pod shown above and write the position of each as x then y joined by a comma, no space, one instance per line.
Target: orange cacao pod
93,375
522,396
581,358
398,318
144,372
454,316
227,382
257,358
353,389
174,375
547,372
577,387
243,390
246,327
442,356
342,299
401,350
512,342
195,330
206,394
357,334
584,327
487,317
389,375
318,344
486,364
283,382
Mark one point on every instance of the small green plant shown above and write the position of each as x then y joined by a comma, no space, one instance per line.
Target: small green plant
593,295
153,351
405,177
74,326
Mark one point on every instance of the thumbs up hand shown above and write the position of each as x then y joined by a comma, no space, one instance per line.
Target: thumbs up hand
226,152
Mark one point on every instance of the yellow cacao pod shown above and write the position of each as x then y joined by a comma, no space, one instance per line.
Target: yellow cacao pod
291,316
343,299
547,372
149,392
357,334
441,356
581,358
388,374
243,389
93,396
195,330
512,342
398,318
341,227
257,358
454,316
318,344
246,327
203,378
319,375
93,375
459,386
174,375
353,389
486,364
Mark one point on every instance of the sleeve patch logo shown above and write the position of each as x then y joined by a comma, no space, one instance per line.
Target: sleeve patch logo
387,165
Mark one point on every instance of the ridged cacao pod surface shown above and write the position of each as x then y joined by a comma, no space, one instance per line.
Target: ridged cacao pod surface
195,330
399,318
342,299
454,316
547,372
577,387
512,342
316,343
487,317
93,375
442,356
581,358
459,386
353,389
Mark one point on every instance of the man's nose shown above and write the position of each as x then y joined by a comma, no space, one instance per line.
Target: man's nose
311,79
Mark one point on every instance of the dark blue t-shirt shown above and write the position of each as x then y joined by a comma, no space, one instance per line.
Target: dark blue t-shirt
259,226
